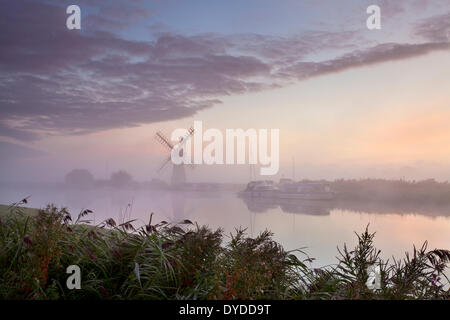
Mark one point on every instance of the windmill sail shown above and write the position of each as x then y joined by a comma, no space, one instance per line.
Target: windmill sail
178,171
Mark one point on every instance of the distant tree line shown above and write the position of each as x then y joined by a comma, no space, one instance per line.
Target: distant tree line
82,178
392,190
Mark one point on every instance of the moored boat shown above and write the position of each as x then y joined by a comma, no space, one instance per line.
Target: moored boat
263,189
306,191
288,190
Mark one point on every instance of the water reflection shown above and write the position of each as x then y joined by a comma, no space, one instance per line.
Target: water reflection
178,208
318,225
180,205
323,208
429,209
259,205
307,207
315,208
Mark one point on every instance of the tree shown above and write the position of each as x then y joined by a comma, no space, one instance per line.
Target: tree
79,178
121,179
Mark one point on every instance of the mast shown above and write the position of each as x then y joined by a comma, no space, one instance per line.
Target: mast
293,168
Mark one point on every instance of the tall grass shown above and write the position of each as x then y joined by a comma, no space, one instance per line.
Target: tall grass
188,261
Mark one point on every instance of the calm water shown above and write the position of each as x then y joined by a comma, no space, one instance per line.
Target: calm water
317,226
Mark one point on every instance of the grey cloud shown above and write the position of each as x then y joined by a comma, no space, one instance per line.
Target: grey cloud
12,151
57,81
436,29
378,54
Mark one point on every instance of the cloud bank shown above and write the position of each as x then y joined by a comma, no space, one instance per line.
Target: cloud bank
56,81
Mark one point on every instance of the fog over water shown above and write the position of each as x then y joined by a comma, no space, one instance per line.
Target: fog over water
316,226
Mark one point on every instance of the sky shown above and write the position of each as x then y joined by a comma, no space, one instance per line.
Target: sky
349,102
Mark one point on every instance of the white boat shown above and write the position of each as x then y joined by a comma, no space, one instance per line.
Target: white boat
288,190
306,191
263,188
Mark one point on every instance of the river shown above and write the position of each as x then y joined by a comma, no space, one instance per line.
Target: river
316,227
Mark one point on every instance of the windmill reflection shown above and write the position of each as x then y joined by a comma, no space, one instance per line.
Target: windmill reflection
178,202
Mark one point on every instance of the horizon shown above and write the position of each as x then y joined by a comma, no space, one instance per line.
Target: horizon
349,102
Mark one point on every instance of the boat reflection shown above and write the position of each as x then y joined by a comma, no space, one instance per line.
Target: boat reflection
306,207
297,206
260,205
324,208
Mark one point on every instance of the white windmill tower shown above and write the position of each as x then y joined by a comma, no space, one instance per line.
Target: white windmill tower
178,171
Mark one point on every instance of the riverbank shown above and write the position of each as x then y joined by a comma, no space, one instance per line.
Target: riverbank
187,261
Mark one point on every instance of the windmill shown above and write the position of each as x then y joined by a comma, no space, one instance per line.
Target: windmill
178,172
